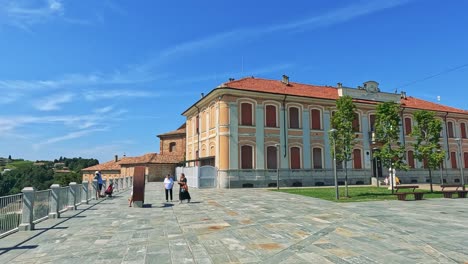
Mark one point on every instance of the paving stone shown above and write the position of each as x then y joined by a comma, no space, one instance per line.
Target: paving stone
246,226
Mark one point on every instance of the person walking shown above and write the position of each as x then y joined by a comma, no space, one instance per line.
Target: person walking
98,177
168,184
183,190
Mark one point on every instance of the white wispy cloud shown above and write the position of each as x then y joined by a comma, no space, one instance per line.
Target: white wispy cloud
69,136
9,124
24,13
335,16
242,73
115,94
105,109
73,80
53,102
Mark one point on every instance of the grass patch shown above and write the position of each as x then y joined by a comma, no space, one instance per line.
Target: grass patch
356,194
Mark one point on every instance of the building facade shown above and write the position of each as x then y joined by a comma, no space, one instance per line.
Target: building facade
157,165
255,131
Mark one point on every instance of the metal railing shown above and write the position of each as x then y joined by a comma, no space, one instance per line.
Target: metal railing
10,213
20,212
41,206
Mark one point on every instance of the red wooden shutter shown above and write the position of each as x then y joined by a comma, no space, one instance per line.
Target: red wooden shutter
453,159
411,159
450,129
293,117
372,122
463,130
272,158
246,157
317,156
357,159
295,158
315,113
356,123
408,128
271,116
246,114
465,157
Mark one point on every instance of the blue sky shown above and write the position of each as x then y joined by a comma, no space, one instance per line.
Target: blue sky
98,78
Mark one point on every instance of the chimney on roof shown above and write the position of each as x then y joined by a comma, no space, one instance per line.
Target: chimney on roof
285,79
339,85
202,95
231,79
403,95
116,158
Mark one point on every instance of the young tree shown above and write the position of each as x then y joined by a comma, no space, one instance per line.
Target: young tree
342,121
387,131
427,134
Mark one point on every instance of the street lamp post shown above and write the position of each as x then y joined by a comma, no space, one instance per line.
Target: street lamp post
277,165
459,143
333,133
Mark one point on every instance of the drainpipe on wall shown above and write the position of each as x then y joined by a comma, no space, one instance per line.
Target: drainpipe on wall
447,143
285,126
403,127
198,135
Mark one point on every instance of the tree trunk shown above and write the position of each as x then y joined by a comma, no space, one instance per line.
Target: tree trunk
346,179
430,179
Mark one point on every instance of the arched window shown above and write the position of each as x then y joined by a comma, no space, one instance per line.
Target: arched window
317,158
246,157
463,130
408,127
411,159
270,116
272,157
356,127
293,117
172,146
357,162
450,129
246,114
295,158
316,122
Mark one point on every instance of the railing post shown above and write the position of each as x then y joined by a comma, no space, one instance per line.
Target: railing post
121,185
54,201
28,209
126,182
131,181
95,189
85,192
72,196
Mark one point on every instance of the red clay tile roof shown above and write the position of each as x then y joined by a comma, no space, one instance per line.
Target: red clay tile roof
278,87
324,92
151,158
110,165
416,103
180,131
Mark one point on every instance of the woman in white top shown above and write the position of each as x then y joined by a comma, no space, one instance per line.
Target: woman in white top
168,184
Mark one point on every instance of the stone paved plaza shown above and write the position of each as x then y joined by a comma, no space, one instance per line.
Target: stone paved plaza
247,226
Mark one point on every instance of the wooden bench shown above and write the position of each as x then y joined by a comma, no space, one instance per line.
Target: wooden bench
398,187
449,193
402,195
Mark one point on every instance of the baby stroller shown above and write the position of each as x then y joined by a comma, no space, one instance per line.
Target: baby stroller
109,190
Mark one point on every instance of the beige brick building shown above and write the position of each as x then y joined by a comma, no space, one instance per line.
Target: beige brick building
171,153
253,129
